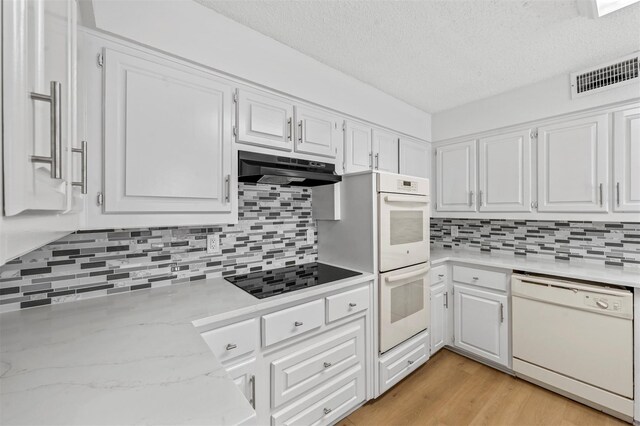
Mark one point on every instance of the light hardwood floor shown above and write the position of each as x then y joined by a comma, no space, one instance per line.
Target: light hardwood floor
453,390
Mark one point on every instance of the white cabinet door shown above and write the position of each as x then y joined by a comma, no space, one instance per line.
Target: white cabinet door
572,165
317,132
39,50
243,375
505,172
439,306
385,151
414,158
167,136
626,152
265,120
358,148
456,177
481,319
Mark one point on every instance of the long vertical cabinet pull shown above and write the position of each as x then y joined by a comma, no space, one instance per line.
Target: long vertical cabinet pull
601,197
377,161
479,198
501,312
289,122
371,160
470,198
227,188
83,171
252,382
300,130
55,99
618,193
446,299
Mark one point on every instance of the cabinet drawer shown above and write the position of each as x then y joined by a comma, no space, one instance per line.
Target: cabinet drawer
291,322
317,361
480,277
233,340
327,404
347,303
439,275
403,360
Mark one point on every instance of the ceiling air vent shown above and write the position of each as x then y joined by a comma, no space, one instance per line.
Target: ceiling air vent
605,76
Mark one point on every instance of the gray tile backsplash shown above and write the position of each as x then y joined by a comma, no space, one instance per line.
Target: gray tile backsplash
606,243
271,233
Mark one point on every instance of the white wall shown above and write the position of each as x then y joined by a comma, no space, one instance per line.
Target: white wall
191,31
545,99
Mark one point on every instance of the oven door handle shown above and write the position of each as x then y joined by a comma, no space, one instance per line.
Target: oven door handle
402,277
413,199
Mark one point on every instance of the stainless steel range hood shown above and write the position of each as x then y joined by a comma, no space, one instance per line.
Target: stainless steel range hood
279,170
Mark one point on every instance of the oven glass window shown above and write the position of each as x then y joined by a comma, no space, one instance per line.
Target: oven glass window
406,226
406,300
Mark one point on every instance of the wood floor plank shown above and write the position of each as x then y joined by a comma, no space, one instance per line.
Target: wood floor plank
451,390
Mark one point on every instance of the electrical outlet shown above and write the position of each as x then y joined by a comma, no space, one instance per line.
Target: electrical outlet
213,244
454,231
310,236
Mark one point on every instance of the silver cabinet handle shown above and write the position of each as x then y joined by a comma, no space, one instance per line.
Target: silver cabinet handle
252,400
327,364
470,198
300,131
501,313
370,159
446,299
410,362
474,278
353,305
601,198
480,198
289,123
227,190
618,193
440,275
298,323
83,170
377,161
55,99
231,346
326,410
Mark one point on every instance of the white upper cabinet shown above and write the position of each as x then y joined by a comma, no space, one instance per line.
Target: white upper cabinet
317,132
385,151
167,136
572,165
414,158
264,120
358,148
456,177
39,49
505,172
626,154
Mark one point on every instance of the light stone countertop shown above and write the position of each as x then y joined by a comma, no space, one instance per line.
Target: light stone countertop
130,358
581,271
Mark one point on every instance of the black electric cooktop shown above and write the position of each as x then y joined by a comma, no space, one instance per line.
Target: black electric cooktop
263,284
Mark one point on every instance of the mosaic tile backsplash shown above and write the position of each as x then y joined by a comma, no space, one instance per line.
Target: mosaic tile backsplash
611,244
271,233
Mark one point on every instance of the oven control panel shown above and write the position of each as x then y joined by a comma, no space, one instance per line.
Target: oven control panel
391,182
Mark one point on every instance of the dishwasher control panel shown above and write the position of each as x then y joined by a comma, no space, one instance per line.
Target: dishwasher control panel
604,302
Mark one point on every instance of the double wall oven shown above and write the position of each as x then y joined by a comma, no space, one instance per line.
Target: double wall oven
403,257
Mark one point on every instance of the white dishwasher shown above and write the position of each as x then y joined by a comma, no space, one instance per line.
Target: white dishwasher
575,338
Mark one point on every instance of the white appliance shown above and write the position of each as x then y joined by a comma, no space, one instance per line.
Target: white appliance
575,338
403,257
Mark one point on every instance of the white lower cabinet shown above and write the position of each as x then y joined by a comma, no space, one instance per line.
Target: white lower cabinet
243,374
402,360
440,291
481,323
301,375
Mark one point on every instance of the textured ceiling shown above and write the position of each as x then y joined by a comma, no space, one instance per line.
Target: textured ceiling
439,54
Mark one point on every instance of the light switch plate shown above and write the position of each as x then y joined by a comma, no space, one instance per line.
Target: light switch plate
310,236
454,231
213,244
